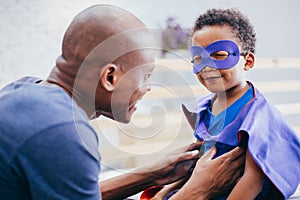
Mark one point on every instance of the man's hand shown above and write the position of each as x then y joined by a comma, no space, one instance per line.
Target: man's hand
177,165
213,177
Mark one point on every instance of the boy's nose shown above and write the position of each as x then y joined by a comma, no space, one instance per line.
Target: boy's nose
208,69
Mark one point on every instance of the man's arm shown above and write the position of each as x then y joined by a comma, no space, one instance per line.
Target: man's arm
209,177
176,166
125,185
251,182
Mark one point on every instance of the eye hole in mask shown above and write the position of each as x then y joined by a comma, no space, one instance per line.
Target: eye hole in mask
196,59
218,55
222,54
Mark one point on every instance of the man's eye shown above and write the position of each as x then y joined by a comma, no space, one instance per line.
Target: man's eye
219,55
148,76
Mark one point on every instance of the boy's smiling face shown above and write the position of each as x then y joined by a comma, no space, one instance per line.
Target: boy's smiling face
215,80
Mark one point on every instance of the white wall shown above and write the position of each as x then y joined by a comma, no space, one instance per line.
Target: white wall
31,31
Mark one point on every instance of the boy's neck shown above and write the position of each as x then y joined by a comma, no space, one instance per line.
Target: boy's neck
223,100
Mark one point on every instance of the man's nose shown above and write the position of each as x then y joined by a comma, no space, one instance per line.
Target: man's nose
148,86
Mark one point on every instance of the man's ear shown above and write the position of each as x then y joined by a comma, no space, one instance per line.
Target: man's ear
250,59
109,77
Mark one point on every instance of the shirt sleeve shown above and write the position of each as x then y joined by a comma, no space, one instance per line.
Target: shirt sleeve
58,165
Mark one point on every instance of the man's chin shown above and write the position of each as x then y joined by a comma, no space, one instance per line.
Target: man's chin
119,118
123,117
105,114
126,118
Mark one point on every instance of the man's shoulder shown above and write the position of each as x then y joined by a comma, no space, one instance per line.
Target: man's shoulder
26,96
25,105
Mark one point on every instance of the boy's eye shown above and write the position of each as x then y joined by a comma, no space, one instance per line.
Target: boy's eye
196,59
219,55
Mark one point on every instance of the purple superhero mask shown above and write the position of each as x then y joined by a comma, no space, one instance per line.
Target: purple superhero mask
222,54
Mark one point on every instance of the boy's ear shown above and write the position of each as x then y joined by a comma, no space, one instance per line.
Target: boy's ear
250,59
109,77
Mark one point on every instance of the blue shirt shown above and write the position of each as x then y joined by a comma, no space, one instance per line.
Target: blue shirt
271,140
215,124
48,150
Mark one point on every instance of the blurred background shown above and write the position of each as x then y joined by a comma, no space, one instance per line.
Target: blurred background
30,40
32,31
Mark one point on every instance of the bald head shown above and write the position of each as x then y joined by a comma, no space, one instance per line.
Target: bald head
97,36
101,43
93,26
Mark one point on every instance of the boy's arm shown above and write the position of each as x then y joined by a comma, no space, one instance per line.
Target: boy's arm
250,184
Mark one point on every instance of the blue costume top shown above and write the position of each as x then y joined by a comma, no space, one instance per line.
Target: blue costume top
215,124
48,150
272,144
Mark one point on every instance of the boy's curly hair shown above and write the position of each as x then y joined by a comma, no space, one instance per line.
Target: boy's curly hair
240,24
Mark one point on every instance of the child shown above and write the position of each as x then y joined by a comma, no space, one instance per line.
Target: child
223,47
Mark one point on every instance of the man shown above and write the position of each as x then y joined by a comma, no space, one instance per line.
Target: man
47,148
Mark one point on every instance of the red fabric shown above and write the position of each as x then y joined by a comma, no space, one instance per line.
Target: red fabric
150,192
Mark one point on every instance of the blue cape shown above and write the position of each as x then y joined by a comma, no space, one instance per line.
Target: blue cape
273,145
